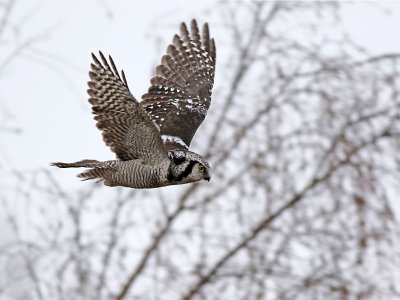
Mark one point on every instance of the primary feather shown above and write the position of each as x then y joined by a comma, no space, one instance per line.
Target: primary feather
180,93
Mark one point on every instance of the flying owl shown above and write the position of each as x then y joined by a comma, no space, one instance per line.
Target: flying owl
151,138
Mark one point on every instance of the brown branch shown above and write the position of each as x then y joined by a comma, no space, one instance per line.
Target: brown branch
111,245
245,61
264,223
156,241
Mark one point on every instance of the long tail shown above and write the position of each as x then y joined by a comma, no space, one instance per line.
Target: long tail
102,173
86,163
98,170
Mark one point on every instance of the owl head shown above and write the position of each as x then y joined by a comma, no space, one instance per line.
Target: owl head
187,166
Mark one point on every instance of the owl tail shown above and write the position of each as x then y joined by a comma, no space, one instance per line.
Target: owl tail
86,163
98,169
101,173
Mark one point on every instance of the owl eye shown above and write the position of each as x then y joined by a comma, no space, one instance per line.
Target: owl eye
201,169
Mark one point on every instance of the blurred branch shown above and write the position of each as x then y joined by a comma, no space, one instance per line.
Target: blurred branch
264,223
155,243
351,65
245,60
6,15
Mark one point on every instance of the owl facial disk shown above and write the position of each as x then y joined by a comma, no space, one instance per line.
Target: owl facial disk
204,170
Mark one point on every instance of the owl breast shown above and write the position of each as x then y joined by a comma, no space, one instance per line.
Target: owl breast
137,174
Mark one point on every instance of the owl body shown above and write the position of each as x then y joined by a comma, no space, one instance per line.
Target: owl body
136,174
178,168
151,138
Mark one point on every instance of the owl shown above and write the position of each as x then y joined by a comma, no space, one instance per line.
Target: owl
151,138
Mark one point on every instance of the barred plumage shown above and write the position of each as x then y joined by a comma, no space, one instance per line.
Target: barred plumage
181,90
151,138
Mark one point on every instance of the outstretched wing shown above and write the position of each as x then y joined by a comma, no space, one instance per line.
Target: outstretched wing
126,127
180,94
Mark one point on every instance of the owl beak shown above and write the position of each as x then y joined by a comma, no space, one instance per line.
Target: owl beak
207,177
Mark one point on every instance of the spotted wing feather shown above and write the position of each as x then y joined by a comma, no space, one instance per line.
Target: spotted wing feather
180,93
126,126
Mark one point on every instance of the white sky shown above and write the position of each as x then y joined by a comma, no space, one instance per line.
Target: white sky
43,91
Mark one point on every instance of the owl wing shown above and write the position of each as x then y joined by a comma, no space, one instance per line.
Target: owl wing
180,93
126,126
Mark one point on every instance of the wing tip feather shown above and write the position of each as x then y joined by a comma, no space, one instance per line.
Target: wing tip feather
95,59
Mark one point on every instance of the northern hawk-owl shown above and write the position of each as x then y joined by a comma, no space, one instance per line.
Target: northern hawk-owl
151,138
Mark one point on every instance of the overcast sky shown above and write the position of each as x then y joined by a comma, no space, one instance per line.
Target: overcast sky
44,63
43,88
